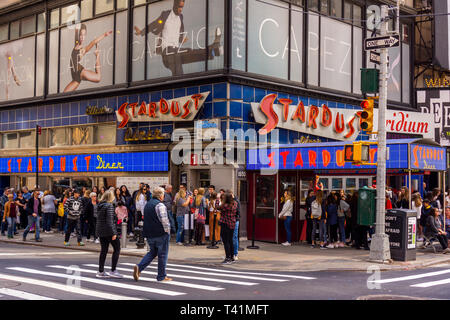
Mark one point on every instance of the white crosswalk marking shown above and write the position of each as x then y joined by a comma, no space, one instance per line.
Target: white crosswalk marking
23,295
216,273
242,283
97,281
174,283
66,288
244,272
431,283
12,254
412,277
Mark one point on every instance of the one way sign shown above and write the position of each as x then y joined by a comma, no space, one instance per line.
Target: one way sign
382,42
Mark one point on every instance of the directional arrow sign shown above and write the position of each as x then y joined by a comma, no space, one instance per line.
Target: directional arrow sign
382,42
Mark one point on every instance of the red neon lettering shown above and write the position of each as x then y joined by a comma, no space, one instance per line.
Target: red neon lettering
152,109
300,113
267,108
133,109
312,156
30,166
298,160
271,162
339,128
74,161
372,153
62,164
352,130
123,113
284,154
88,159
51,164
175,112
19,162
163,106
327,117
285,103
186,109
40,164
9,165
313,113
340,158
142,109
196,98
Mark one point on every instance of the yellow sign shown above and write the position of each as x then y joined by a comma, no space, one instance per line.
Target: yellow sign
106,165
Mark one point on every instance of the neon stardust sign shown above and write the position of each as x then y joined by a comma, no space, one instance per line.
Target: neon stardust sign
341,124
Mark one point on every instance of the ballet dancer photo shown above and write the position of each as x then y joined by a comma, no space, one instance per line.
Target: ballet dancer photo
79,73
169,27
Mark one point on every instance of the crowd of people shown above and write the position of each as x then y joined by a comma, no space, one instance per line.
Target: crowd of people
332,219
97,215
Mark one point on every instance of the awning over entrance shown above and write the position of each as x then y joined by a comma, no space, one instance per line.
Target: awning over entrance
411,154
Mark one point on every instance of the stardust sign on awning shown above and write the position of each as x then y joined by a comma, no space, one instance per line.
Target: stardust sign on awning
417,154
111,162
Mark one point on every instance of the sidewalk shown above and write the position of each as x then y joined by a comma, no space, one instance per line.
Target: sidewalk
269,256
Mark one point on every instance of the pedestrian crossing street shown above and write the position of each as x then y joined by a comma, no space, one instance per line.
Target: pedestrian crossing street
79,282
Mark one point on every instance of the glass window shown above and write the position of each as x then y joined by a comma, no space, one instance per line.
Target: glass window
324,6
60,137
325,183
239,34
296,44
121,47
138,55
266,52
363,182
216,33
14,31
81,136
27,139
305,186
4,32
41,22
105,134
336,183
122,4
313,4
138,2
288,183
28,25
357,10
102,6
313,50
357,59
10,140
336,8
54,18
53,67
86,9
40,64
406,65
265,196
350,183
70,14
347,10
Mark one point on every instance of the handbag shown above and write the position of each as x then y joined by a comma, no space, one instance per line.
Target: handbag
283,218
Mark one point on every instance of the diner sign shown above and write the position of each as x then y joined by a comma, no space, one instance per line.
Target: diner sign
178,109
322,121
111,162
428,157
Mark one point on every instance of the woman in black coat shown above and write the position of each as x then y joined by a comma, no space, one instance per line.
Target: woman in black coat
106,230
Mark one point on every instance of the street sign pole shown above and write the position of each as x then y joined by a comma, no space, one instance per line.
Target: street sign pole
379,248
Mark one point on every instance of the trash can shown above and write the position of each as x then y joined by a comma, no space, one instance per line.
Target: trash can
366,206
401,227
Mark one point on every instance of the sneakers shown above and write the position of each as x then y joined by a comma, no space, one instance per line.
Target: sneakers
286,244
323,247
446,251
227,261
81,244
115,274
39,240
97,241
341,245
330,246
236,258
179,243
102,275
136,273
313,246
166,279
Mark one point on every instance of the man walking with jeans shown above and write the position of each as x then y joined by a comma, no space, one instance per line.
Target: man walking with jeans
157,232
74,207
34,212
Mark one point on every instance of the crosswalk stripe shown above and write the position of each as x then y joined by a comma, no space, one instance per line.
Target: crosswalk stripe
97,281
174,283
23,295
243,283
245,272
66,288
431,283
216,274
9,254
412,277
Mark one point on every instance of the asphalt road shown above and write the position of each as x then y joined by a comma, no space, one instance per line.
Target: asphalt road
32,273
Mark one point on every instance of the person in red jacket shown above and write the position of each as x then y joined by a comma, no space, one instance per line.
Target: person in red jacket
388,202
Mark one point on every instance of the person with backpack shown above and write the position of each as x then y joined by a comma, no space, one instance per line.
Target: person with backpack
319,219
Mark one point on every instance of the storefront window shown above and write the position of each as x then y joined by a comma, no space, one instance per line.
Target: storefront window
325,183
86,9
82,136
105,134
288,183
350,183
27,139
205,179
265,196
60,137
28,25
336,183
305,185
102,6
4,32
363,182
10,141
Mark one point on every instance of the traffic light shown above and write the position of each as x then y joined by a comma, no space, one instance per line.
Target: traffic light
367,115
356,152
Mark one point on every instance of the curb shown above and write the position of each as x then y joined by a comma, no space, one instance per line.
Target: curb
383,266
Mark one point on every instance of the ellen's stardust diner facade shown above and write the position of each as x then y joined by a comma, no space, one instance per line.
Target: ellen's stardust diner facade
303,84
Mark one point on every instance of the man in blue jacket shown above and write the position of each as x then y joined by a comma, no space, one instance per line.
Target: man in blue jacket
157,232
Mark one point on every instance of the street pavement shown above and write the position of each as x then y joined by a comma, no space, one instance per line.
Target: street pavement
269,256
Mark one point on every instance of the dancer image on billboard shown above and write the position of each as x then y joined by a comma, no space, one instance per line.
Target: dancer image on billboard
79,73
11,72
169,27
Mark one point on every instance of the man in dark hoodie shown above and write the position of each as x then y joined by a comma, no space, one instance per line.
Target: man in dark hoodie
34,212
74,207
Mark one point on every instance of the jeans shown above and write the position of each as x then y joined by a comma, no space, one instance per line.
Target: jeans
91,228
308,230
180,230
47,221
32,220
11,225
322,230
287,226
159,247
236,239
4,225
104,242
71,224
341,222
130,223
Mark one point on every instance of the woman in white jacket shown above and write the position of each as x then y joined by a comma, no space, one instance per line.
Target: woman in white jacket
286,212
